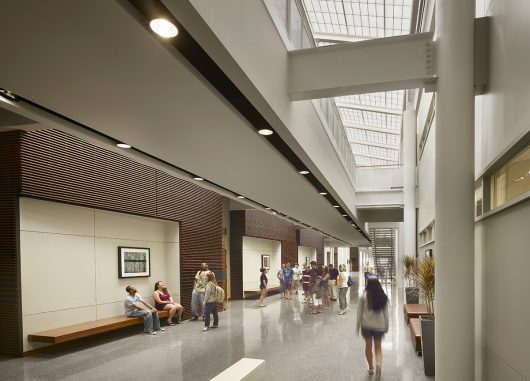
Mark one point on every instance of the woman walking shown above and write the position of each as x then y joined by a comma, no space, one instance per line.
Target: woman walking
342,286
210,305
263,286
372,321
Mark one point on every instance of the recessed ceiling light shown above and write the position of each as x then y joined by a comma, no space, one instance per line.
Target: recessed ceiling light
163,28
240,196
303,172
267,208
344,215
336,206
123,145
265,131
323,193
198,178
273,212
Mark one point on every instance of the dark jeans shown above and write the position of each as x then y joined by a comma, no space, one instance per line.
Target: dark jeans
211,308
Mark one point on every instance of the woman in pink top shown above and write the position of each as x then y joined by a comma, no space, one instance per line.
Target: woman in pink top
164,302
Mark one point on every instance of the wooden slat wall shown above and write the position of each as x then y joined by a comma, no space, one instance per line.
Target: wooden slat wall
10,306
55,166
264,225
237,231
311,238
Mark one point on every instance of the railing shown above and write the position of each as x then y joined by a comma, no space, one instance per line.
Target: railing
379,178
294,28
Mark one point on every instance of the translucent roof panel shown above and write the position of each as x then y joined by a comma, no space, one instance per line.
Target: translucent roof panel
360,18
372,121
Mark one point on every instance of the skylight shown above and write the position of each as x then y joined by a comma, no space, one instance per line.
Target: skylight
372,121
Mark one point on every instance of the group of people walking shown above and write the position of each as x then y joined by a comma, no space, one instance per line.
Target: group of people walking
320,284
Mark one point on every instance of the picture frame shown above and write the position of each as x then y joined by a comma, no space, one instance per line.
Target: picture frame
307,260
134,262
265,261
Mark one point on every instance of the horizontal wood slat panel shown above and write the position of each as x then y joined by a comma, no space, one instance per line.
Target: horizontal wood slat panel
10,317
311,238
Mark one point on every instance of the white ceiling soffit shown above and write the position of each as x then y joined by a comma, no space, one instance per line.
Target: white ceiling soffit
357,20
95,64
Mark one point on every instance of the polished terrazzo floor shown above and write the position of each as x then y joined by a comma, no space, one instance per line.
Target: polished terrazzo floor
296,345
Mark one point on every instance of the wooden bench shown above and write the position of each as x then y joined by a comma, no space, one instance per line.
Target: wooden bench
77,331
414,311
415,334
244,370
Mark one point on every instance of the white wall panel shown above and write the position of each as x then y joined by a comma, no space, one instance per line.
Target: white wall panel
426,182
304,252
253,249
70,274
52,217
57,272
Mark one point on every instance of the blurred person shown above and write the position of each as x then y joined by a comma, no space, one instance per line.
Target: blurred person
197,295
333,274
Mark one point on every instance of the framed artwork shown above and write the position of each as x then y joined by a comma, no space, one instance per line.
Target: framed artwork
265,261
307,260
134,262
428,253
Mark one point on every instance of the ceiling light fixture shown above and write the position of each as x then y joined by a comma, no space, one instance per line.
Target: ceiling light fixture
265,132
273,212
304,172
8,95
240,196
123,145
267,208
336,206
198,178
323,193
163,28
344,215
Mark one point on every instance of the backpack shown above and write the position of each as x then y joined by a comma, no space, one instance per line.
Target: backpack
219,294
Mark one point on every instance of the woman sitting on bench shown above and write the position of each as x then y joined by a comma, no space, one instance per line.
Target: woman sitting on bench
164,302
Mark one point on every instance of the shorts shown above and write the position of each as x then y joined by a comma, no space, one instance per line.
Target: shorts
305,286
369,333
282,286
317,302
287,284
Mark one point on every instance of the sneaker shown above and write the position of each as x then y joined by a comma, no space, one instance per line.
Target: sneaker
205,329
195,318
214,326
150,333
261,305
171,324
162,329
370,371
179,322
341,312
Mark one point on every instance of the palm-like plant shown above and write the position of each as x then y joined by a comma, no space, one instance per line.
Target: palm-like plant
408,263
423,273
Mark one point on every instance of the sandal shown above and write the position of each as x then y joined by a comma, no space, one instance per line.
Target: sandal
370,371
171,324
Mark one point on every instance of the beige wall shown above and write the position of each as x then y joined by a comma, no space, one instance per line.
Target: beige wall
253,248
69,262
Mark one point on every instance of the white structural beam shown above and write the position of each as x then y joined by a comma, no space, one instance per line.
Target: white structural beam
369,108
375,156
331,37
384,64
370,128
373,144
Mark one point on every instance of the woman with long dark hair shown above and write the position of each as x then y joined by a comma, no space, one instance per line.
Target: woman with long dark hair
372,321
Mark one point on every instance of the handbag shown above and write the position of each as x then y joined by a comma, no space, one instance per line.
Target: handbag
350,281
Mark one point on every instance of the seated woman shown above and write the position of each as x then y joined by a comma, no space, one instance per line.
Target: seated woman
164,302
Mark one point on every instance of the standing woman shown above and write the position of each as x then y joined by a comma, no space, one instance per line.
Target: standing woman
263,286
372,321
164,302
342,286
210,305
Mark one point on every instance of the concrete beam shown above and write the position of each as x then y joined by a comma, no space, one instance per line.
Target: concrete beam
370,128
381,110
373,144
384,64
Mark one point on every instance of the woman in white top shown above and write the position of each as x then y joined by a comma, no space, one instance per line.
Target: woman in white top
342,286
372,321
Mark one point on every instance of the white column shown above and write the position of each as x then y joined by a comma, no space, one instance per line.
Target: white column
454,175
409,182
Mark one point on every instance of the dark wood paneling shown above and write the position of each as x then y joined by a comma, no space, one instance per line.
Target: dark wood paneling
10,304
200,213
237,231
264,225
55,166
311,238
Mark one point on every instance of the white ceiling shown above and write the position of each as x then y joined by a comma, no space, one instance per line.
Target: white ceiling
94,63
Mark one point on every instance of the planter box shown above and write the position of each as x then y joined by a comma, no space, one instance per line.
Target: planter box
427,344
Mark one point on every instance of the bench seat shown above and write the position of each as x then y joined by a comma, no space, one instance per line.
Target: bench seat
414,311
90,328
415,334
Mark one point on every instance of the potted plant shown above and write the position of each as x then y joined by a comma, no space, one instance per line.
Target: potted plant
411,291
424,277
